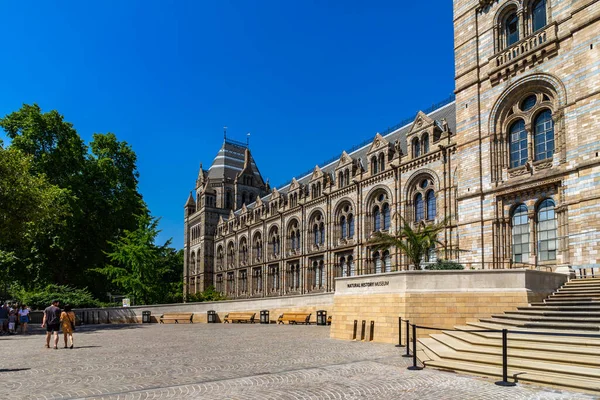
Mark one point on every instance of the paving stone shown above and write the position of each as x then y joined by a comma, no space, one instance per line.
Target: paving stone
239,361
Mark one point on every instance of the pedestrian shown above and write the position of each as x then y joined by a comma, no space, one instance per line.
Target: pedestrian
3,318
52,323
12,322
67,319
24,317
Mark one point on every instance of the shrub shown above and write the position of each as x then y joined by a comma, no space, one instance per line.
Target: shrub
38,299
445,265
210,294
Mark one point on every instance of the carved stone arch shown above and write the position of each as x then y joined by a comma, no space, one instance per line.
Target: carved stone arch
341,203
272,229
530,83
506,8
417,176
289,223
313,213
375,190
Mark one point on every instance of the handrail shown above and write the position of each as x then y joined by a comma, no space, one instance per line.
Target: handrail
505,332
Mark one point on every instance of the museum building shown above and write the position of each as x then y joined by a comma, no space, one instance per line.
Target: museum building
511,165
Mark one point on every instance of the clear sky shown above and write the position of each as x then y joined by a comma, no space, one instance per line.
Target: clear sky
307,79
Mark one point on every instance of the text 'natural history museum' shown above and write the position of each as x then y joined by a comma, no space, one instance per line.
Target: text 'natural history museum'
512,163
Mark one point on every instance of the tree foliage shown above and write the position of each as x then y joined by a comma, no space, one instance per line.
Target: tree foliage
210,294
138,266
64,205
415,243
39,299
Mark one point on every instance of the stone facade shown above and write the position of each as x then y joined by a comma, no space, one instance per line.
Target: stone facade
512,165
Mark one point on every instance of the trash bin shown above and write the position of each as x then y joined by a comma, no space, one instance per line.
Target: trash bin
321,317
146,317
211,316
264,316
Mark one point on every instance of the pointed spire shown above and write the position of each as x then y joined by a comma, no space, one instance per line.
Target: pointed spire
190,201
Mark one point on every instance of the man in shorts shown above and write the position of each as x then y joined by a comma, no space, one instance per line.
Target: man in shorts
52,323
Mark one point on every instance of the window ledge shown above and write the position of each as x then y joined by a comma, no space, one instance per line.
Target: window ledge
542,43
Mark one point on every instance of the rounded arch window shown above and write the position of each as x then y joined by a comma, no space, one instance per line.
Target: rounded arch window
511,29
345,218
538,15
528,103
518,144
424,201
520,234
543,138
380,213
546,230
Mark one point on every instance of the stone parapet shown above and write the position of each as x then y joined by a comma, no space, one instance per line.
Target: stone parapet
433,298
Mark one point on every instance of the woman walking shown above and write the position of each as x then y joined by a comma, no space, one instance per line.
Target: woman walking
23,317
67,320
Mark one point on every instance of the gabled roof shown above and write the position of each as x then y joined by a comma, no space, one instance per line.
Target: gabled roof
190,201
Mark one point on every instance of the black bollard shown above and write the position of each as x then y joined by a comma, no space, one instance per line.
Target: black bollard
407,323
504,381
399,332
354,330
414,367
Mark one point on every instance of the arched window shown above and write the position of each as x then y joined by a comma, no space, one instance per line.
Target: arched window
257,248
419,209
387,261
416,148
321,281
316,234
518,144
220,257
511,29
341,179
350,226
374,165
386,217
425,140
546,230
293,239
543,135
377,262
376,219
430,205
322,232
343,227
298,240
243,246
381,162
520,234
343,266
244,198
347,176
538,15
351,271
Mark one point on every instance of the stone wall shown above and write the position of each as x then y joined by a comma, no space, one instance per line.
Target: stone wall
433,298
275,305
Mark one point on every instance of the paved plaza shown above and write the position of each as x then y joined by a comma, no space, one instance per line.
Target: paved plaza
202,361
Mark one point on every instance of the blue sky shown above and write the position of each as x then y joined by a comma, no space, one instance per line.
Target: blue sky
308,79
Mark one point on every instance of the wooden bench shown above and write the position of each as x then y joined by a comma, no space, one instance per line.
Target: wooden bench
239,317
177,317
294,318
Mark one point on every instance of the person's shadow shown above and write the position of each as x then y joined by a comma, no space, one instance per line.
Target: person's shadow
13,369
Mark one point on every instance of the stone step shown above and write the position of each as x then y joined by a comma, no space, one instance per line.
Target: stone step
555,354
555,313
575,308
444,352
579,288
586,384
584,301
526,344
582,319
585,338
584,280
589,292
544,325
575,295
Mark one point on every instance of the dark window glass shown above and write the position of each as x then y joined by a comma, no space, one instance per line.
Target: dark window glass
376,219
350,226
386,217
425,143
528,103
544,135
343,227
520,234
511,29
430,205
546,227
416,148
518,144
419,209
538,12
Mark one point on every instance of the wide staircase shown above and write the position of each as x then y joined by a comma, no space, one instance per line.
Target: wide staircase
564,361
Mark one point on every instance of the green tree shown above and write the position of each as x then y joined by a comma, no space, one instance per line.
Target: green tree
139,267
413,242
31,210
102,193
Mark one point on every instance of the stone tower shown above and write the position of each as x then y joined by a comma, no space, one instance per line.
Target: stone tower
232,180
528,144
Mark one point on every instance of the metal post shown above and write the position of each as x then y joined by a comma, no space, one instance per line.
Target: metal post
399,332
362,330
354,330
414,367
504,381
407,354
372,333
